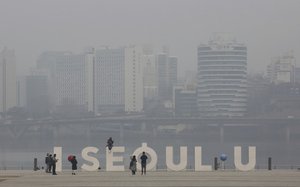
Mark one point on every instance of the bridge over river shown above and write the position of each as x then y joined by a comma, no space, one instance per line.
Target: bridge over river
274,137
15,129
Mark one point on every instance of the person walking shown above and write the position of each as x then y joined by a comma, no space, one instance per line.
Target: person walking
144,162
132,165
74,165
54,160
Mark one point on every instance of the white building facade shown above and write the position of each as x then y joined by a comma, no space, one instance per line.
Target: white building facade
90,81
222,78
134,96
149,77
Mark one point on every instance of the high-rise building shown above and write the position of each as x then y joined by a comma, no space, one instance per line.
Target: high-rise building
70,80
102,81
37,98
149,77
162,75
134,97
109,80
70,83
167,75
118,79
172,73
282,69
297,75
222,77
47,62
90,80
8,83
32,93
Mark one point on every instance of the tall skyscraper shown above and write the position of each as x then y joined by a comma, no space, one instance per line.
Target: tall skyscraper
70,83
47,62
37,98
8,83
172,73
167,75
134,97
222,77
90,80
149,77
66,80
162,75
109,72
103,81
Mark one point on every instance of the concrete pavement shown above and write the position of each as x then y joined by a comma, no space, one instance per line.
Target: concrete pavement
277,178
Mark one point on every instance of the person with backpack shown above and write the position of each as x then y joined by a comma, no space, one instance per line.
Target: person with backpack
48,163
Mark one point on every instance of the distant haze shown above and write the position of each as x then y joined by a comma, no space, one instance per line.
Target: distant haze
268,27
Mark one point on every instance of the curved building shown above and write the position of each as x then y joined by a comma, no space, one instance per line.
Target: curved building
222,78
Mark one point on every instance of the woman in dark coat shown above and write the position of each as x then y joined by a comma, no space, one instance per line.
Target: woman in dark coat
132,165
74,165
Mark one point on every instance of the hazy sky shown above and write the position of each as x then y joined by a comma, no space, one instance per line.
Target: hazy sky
268,27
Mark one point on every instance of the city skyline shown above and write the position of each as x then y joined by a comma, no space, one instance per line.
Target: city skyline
106,80
158,50
150,74
268,28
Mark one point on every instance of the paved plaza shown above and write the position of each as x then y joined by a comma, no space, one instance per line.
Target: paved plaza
277,178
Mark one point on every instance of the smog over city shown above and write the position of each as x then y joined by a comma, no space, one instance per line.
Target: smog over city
197,81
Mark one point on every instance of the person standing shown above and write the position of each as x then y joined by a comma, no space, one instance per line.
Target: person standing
50,161
144,162
132,165
54,160
74,165
47,162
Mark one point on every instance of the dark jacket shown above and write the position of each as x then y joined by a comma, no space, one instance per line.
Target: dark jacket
132,165
74,164
47,160
144,159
